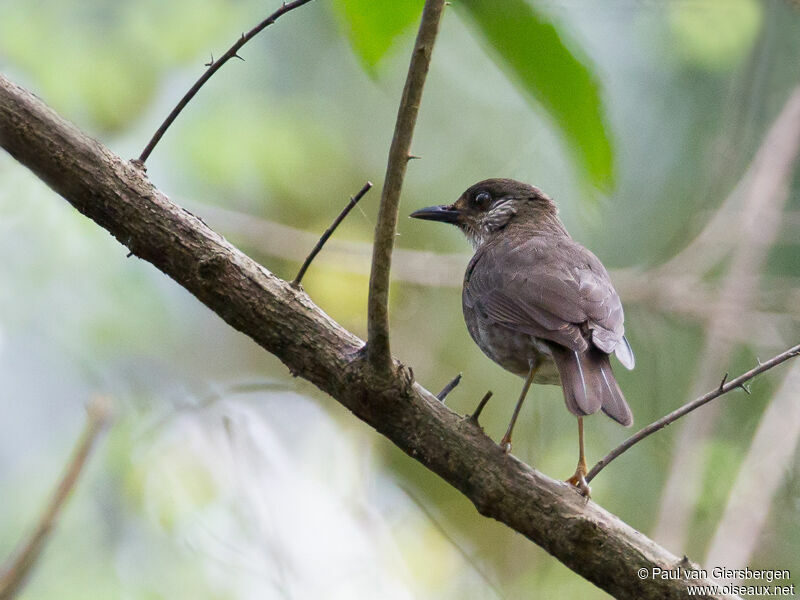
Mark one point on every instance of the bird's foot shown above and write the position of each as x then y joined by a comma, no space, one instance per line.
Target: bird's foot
579,480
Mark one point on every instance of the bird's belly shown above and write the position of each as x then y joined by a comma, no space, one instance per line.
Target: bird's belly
513,350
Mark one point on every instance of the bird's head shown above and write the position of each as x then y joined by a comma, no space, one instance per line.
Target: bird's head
492,205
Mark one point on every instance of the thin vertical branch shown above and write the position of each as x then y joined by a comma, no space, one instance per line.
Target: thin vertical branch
213,67
378,351
15,572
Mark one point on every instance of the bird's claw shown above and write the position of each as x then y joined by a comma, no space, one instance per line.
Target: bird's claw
579,481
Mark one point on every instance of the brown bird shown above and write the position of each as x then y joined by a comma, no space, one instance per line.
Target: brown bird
538,303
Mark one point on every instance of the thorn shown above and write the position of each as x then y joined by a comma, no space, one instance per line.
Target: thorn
474,416
211,62
745,388
442,396
758,360
239,57
413,157
722,383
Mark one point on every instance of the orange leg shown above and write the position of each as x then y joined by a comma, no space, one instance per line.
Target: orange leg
579,478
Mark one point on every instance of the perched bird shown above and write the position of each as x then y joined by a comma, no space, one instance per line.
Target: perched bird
538,303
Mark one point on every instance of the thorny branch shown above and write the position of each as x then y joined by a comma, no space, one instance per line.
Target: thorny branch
213,67
739,382
378,350
763,193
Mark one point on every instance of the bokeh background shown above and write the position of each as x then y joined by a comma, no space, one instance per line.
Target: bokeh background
222,476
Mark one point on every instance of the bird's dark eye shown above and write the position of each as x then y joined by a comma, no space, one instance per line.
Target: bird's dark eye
482,199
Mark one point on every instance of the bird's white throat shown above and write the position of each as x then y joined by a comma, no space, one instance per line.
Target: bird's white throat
491,221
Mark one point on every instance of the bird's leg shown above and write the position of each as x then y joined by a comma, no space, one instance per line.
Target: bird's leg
579,478
505,443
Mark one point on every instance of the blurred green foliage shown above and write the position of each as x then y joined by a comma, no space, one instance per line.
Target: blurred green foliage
109,83
528,46
715,34
372,27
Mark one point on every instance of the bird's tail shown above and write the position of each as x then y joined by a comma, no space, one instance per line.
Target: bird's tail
589,384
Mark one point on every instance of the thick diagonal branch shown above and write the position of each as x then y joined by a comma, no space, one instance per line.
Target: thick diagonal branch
284,321
378,350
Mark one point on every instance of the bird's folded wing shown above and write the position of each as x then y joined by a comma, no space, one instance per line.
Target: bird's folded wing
552,288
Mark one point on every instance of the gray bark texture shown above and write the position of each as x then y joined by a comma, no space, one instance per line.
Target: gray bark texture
118,196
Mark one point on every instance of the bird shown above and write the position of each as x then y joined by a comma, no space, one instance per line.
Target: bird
538,303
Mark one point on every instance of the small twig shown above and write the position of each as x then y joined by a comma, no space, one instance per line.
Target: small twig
474,416
329,231
449,388
724,379
762,194
762,472
690,406
378,351
15,572
213,67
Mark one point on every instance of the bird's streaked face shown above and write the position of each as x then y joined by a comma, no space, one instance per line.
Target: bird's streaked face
489,206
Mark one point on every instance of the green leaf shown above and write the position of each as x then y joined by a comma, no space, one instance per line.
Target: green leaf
373,25
529,48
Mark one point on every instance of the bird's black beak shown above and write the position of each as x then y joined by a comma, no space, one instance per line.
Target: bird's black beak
444,214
